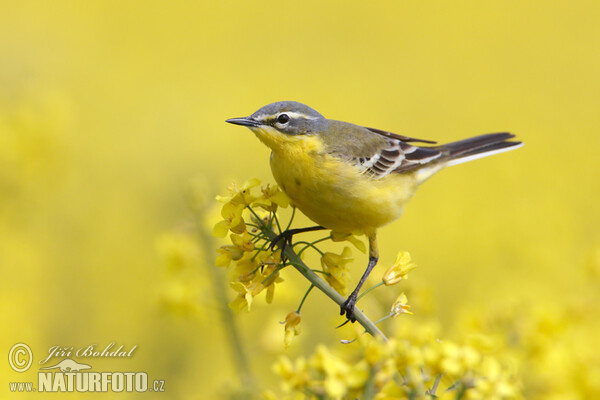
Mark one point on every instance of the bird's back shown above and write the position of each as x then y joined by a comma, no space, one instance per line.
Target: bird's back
350,141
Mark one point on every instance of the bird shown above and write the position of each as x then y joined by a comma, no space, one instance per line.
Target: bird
350,178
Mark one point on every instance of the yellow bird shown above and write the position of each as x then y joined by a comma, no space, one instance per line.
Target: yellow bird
349,178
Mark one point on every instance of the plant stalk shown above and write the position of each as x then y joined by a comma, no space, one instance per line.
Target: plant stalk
324,287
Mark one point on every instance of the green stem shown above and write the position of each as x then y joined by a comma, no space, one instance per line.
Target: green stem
266,244
256,236
324,287
272,273
308,244
304,298
277,222
461,390
434,388
312,244
370,389
369,289
291,218
260,221
384,318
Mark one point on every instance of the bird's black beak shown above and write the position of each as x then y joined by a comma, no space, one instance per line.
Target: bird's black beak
245,121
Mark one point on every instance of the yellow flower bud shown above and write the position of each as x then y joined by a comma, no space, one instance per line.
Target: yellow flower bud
242,242
292,320
226,254
246,294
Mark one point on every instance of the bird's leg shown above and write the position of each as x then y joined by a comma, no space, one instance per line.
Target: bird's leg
348,306
287,235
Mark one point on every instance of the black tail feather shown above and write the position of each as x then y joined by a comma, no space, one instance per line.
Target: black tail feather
478,145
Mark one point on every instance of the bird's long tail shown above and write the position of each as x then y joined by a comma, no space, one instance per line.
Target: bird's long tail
466,150
478,147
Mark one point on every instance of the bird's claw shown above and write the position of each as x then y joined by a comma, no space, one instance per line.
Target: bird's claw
283,235
286,237
348,308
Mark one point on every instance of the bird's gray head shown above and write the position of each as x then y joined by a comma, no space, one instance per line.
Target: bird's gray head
289,117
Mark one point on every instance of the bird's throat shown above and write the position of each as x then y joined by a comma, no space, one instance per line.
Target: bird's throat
283,143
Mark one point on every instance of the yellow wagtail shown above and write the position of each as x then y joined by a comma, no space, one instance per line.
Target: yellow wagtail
349,178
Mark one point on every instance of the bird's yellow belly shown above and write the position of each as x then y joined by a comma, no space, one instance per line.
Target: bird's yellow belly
335,195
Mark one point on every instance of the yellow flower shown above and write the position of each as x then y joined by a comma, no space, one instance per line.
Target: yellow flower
450,363
240,195
242,242
340,237
232,220
226,254
358,375
400,306
270,259
272,197
335,371
245,269
399,270
246,294
391,391
232,210
268,277
292,320
376,351
335,266
295,376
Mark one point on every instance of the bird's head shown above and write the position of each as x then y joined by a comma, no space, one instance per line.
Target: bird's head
281,122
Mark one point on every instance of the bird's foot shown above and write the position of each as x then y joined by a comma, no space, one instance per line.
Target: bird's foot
282,240
286,236
348,308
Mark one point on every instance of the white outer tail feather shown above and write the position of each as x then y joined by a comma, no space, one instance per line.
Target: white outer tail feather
481,155
425,173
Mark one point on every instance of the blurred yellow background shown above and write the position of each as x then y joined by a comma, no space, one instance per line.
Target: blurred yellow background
108,110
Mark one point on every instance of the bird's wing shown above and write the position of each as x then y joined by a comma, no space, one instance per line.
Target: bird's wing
399,137
376,153
396,156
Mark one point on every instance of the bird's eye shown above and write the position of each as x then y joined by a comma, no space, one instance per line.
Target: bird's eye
283,118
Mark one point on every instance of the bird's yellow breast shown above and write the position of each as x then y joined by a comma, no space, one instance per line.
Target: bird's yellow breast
331,191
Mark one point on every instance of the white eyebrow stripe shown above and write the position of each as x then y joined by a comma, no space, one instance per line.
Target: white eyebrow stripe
294,114
291,114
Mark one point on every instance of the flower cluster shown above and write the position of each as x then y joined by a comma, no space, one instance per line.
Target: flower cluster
551,343
412,366
248,218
